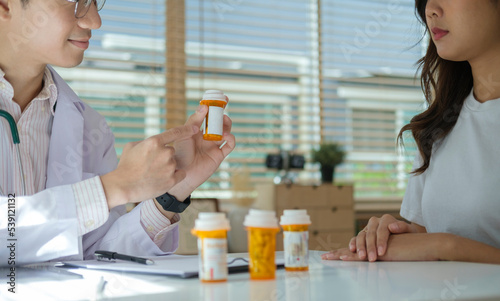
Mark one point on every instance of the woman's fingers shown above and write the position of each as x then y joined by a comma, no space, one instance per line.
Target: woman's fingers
365,243
371,246
340,254
361,244
352,244
399,227
382,238
371,242
389,225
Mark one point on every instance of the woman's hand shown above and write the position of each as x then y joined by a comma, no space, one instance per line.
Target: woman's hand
403,247
427,247
199,158
371,242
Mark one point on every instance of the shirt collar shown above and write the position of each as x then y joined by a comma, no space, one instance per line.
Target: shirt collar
6,90
49,90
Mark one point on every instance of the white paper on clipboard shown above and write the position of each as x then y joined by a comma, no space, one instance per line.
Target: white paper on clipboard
169,265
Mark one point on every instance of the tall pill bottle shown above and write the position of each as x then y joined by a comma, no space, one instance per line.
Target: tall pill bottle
211,229
262,227
216,102
295,224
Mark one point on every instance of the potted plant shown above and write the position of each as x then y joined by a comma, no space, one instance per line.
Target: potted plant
328,156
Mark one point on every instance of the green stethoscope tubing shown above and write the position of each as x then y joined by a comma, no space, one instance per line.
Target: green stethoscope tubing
16,141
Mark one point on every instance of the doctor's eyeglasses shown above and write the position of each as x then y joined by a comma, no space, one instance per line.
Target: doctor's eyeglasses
82,6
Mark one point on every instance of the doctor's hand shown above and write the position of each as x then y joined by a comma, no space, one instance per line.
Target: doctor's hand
200,158
147,168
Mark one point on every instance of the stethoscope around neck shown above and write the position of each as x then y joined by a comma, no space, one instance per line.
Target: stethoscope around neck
16,141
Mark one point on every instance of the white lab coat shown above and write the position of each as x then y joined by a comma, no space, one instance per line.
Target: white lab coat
81,147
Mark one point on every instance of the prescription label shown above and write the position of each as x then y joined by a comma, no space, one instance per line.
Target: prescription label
213,255
296,248
214,121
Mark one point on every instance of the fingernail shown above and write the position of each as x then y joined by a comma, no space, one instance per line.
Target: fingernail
361,254
343,257
371,256
380,251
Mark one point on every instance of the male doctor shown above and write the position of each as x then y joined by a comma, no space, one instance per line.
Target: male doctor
72,200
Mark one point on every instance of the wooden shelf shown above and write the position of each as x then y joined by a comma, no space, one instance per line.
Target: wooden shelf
330,207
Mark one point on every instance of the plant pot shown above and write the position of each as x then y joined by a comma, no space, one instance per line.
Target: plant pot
327,173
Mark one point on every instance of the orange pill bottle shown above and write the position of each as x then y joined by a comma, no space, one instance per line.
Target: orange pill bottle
262,227
213,124
295,224
211,229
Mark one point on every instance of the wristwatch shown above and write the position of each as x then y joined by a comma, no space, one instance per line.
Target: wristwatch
170,203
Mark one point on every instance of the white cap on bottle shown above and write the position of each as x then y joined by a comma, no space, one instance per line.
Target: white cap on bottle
295,217
210,221
261,219
214,95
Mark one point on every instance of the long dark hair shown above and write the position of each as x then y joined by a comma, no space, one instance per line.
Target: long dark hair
445,84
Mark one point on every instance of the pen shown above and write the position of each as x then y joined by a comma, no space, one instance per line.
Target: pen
115,255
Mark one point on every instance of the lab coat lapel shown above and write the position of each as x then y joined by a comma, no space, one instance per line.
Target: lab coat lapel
66,142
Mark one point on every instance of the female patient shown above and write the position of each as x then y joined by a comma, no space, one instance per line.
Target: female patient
453,196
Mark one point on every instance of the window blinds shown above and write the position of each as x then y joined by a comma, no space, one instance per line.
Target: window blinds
297,72
123,73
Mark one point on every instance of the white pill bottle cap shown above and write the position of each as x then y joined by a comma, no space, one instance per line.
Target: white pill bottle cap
261,219
295,217
211,221
214,95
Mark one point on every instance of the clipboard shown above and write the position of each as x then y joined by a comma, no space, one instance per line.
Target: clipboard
168,265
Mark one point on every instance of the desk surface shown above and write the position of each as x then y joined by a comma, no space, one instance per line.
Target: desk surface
326,280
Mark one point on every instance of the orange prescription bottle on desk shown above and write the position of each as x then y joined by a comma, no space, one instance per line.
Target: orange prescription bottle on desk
211,229
216,102
262,227
295,224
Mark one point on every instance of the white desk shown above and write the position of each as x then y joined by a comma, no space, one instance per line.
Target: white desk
326,280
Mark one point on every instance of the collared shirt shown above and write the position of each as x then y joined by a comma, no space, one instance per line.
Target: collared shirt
34,125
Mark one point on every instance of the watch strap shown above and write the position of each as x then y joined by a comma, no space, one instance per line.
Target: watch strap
170,203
